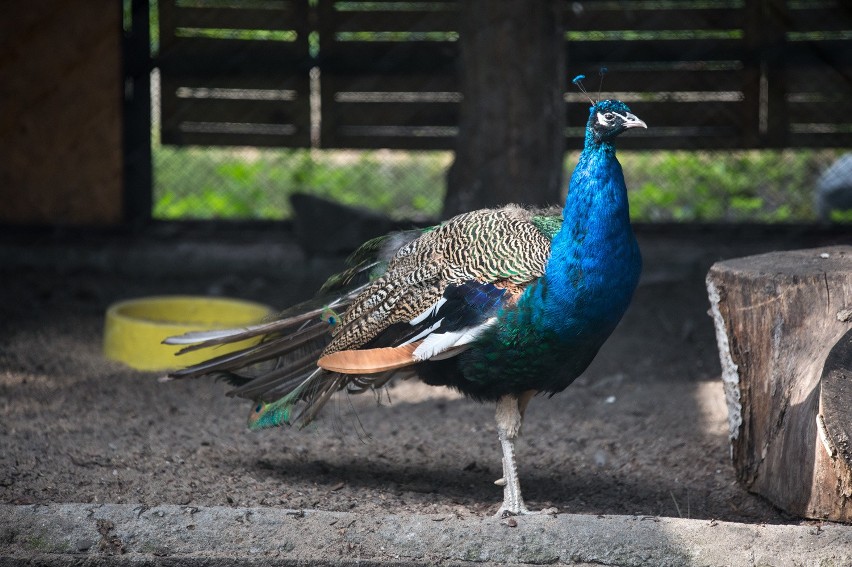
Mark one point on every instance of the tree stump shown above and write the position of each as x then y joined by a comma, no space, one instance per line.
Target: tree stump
783,329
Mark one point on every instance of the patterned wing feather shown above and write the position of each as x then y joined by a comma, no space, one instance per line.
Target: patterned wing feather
500,246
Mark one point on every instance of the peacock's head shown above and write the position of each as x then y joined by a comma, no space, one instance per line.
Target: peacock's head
609,118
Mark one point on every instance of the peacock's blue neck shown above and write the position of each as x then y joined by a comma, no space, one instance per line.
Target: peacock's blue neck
595,263
596,205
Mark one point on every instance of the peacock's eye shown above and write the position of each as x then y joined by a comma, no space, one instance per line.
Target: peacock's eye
258,408
609,116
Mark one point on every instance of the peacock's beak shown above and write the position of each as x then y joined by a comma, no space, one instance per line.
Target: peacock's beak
633,121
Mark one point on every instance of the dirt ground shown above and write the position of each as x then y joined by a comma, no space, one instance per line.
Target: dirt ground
643,432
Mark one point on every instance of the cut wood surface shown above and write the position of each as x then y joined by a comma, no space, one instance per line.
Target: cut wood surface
833,423
777,317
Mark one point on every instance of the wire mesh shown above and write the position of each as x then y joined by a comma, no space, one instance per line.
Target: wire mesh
694,186
664,186
685,87
197,182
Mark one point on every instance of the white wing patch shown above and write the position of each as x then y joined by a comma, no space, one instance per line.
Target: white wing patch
429,312
426,332
436,343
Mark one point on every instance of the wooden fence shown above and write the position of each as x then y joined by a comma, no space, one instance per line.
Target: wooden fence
385,74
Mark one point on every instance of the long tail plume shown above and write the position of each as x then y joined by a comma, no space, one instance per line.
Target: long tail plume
280,373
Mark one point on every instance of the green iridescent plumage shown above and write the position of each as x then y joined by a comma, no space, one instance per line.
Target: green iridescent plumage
264,415
548,225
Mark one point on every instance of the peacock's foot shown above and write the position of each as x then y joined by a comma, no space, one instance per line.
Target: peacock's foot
522,510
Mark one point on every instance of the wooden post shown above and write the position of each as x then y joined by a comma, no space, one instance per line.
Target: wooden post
777,318
138,166
60,113
511,140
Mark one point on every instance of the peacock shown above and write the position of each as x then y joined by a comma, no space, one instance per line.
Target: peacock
500,304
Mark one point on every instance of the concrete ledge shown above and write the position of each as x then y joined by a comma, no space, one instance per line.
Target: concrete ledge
110,534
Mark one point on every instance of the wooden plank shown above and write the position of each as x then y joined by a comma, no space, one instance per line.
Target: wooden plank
256,87
597,52
669,80
378,5
257,82
166,23
401,4
826,140
289,17
395,114
265,50
367,139
685,139
403,21
177,111
590,18
226,129
820,78
217,56
698,139
836,110
831,53
378,57
772,66
238,111
660,114
297,140
355,48
168,107
752,110
425,83
834,18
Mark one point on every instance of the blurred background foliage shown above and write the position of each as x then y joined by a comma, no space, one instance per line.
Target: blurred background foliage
680,186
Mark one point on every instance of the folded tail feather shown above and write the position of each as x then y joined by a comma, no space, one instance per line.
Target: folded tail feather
280,371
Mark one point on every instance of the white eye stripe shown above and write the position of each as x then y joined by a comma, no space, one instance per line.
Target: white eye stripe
604,122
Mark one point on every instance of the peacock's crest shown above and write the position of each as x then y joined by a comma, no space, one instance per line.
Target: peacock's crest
578,82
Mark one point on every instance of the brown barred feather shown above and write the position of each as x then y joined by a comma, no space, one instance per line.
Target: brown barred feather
489,245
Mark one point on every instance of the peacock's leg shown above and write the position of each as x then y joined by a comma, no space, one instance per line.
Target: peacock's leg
510,410
523,402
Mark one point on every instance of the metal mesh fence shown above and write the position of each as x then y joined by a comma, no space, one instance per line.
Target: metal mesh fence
249,183
243,182
195,181
199,182
695,186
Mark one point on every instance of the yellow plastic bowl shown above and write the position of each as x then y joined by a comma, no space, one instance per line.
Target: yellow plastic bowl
135,329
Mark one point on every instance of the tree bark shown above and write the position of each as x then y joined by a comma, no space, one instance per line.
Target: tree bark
783,328
511,134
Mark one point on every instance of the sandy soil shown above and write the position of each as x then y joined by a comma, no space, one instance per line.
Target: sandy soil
643,432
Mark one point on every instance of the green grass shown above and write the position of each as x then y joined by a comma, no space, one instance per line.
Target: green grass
249,183
746,186
255,183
